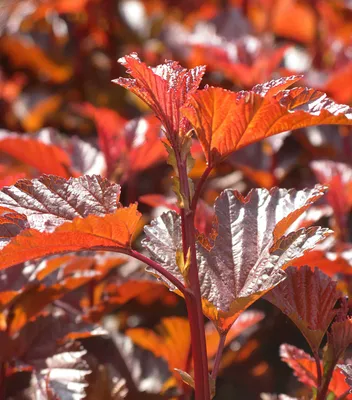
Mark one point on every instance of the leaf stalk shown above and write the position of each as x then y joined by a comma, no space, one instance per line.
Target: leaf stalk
218,356
193,301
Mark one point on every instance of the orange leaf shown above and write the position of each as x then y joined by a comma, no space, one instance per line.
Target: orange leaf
24,54
227,121
171,341
246,320
46,158
112,231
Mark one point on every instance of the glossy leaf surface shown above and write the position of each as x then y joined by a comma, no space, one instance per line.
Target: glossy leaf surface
226,121
245,257
165,88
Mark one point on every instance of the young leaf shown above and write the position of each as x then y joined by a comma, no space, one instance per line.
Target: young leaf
249,252
225,121
165,88
308,298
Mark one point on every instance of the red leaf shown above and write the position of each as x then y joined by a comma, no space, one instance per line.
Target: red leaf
303,364
339,178
171,341
304,368
112,231
245,257
49,201
109,126
339,337
165,88
246,320
308,298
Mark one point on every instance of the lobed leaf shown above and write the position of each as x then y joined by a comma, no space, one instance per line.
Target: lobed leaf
226,121
308,298
246,256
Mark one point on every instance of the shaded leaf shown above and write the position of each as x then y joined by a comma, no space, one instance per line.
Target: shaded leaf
304,368
171,341
308,298
339,178
23,53
302,364
226,121
66,375
109,127
339,338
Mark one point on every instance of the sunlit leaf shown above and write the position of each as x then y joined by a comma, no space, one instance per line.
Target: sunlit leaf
46,158
66,375
227,121
165,88
49,201
347,371
308,298
245,258
90,204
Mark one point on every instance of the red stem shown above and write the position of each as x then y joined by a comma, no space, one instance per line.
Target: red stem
318,365
199,188
193,300
218,356
160,269
324,387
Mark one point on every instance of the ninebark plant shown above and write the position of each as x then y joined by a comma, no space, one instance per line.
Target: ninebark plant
255,240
